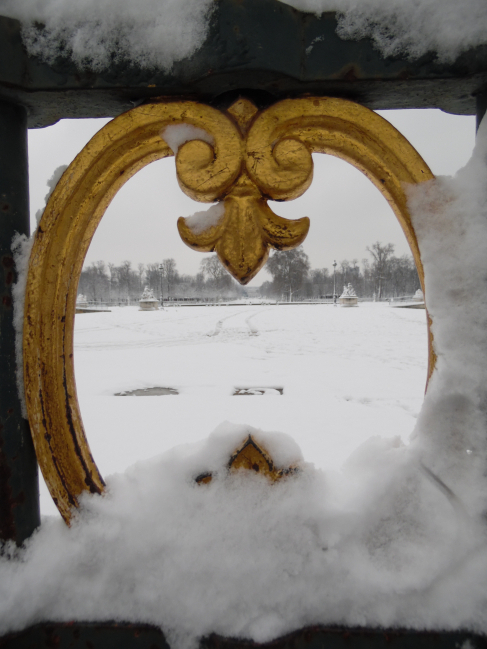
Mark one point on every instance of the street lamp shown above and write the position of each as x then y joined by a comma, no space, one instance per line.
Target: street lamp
334,283
161,268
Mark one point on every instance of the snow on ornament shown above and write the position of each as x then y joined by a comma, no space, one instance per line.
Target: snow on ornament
250,455
348,297
147,300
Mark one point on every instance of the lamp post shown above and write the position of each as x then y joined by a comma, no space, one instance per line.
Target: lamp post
161,269
334,283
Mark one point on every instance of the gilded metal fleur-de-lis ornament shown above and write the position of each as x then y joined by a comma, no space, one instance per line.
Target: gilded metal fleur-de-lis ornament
245,158
248,228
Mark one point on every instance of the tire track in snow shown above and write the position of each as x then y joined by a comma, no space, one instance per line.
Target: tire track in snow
219,324
253,329
156,338
151,331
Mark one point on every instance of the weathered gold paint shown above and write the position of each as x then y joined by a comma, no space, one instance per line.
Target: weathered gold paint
243,111
253,157
252,456
249,228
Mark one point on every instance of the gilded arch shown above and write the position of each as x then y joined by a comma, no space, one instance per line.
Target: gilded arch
252,157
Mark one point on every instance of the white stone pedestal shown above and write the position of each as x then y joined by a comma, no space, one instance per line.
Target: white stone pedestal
348,301
148,305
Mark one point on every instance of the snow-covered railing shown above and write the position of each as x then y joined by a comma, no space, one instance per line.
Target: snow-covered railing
400,540
151,49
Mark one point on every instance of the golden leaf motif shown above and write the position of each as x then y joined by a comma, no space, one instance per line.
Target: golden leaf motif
249,228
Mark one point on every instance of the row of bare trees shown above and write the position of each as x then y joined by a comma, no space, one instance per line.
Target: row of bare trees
382,275
101,282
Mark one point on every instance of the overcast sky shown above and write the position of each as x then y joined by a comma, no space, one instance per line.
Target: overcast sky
347,212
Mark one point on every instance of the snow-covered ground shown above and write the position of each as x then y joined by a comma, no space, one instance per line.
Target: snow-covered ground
347,374
388,534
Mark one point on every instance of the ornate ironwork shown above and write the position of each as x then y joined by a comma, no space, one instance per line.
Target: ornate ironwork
254,156
249,227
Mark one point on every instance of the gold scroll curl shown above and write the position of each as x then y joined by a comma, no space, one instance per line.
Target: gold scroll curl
252,157
249,228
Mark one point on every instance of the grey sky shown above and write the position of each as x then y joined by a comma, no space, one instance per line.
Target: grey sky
347,212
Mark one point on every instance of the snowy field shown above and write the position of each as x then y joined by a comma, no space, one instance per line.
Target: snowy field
346,374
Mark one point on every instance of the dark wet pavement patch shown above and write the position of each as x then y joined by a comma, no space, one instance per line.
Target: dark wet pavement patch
241,392
147,392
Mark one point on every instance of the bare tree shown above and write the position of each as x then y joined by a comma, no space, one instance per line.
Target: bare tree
112,278
366,275
141,270
289,268
320,280
94,281
153,277
381,255
124,272
344,271
403,276
170,273
212,268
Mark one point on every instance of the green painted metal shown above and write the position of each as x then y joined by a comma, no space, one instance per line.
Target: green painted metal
262,46
481,107
345,638
19,490
78,635
358,638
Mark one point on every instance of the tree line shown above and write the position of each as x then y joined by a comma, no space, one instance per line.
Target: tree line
382,275
101,282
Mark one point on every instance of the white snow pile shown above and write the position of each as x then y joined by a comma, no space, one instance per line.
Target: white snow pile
202,221
21,248
148,33
147,295
410,27
51,184
450,219
240,556
348,291
156,33
178,134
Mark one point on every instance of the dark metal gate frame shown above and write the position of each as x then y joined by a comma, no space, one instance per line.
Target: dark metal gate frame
261,49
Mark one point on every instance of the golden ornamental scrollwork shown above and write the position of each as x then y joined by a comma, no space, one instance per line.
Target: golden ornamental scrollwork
249,158
248,228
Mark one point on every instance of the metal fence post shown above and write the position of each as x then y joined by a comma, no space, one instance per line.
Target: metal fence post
481,106
19,486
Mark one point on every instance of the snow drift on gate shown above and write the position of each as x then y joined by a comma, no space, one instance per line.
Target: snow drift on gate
157,33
